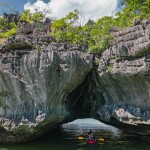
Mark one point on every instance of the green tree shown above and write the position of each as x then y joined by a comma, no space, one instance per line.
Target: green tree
133,9
100,36
7,29
31,17
58,29
66,29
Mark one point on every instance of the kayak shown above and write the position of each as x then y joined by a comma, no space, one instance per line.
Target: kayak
91,141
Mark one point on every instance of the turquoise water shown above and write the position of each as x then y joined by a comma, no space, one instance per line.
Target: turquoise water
67,139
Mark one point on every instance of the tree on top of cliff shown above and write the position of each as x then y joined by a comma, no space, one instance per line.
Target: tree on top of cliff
133,9
31,17
66,29
8,23
100,35
7,28
94,34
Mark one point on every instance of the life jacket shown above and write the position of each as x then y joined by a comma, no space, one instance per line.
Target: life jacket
91,136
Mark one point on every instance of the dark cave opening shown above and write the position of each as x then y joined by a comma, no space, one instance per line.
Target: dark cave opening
86,98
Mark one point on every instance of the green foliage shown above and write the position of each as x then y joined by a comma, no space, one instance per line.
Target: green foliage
26,16
7,29
96,35
31,17
65,28
100,35
134,9
10,32
3,24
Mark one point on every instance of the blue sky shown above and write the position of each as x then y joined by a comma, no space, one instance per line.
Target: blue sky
19,4
92,9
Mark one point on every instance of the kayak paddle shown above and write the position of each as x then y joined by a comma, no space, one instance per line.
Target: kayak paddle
100,139
81,138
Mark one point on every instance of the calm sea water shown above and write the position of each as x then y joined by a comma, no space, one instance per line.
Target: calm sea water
66,138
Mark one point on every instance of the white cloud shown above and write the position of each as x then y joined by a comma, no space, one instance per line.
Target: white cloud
93,9
40,6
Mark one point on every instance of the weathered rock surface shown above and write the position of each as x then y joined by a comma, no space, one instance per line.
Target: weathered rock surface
38,43
12,17
33,90
42,28
124,77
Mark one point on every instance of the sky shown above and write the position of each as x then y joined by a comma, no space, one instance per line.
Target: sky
91,9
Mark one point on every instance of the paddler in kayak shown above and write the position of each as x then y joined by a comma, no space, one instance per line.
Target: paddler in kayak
91,136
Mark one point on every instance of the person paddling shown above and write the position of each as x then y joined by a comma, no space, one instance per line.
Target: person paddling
91,136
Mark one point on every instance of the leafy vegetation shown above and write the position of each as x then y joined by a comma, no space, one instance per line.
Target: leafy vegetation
69,29
133,9
97,35
66,29
94,35
7,29
31,17
100,36
10,32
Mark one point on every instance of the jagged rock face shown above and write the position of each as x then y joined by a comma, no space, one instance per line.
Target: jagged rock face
42,28
27,43
33,90
12,17
37,42
124,77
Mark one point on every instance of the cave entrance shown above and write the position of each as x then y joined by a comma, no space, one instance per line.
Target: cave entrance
85,99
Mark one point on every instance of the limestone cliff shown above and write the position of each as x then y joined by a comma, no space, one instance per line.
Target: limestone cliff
34,86
124,78
43,84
